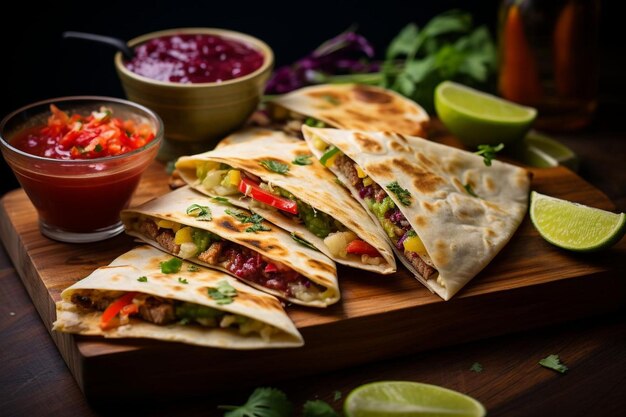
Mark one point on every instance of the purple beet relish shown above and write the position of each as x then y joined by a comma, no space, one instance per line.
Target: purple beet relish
189,59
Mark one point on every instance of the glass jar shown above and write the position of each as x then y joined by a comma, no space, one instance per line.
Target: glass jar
548,59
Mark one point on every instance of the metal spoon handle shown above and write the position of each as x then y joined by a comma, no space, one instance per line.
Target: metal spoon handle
115,42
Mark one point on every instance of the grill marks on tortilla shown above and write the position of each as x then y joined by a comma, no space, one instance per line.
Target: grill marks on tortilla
368,143
256,302
369,95
268,245
424,181
319,266
440,254
228,224
329,98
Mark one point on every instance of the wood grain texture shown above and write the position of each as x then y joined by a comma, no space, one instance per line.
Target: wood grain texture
530,283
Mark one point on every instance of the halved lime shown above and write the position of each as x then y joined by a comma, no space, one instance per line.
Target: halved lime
479,118
539,150
405,398
574,226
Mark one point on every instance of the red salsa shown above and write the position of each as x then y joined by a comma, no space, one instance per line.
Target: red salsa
83,137
199,58
77,188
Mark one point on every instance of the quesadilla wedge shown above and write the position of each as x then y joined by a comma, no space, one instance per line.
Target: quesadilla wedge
192,226
277,177
133,297
348,106
445,212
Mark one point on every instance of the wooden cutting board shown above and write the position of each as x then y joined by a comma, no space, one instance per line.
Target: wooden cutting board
529,284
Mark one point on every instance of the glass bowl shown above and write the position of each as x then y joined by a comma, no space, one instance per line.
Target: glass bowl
79,200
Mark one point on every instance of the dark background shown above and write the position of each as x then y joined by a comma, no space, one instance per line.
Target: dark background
38,64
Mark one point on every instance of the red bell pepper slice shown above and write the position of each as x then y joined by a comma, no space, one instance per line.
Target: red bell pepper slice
251,189
360,247
114,308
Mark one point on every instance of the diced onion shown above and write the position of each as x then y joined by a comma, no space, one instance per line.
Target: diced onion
187,250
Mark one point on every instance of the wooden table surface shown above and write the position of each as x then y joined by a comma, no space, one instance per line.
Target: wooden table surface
34,380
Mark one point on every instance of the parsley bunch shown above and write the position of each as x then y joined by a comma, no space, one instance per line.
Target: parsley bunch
446,48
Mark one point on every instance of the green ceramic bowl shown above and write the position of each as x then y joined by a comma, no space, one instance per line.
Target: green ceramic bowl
197,116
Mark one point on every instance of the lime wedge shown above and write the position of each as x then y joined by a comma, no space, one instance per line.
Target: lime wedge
538,150
574,226
404,398
479,118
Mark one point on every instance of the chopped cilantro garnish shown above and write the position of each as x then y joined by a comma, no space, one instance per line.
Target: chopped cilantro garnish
224,293
337,395
192,268
318,408
302,160
98,148
469,190
403,195
476,367
257,227
553,362
488,152
302,241
172,266
275,166
142,279
255,219
221,200
202,213
183,280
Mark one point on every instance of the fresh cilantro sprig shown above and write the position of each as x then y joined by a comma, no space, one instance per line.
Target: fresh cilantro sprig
255,219
172,266
403,195
488,152
263,402
275,166
553,362
302,160
272,402
223,293
201,213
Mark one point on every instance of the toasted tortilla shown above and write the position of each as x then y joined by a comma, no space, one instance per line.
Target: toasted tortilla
462,233
313,184
143,261
356,106
274,244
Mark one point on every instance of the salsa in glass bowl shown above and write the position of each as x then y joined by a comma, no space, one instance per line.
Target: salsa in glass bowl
79,160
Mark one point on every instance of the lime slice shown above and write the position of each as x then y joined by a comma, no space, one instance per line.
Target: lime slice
574,226
479,118
538,150
404,398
